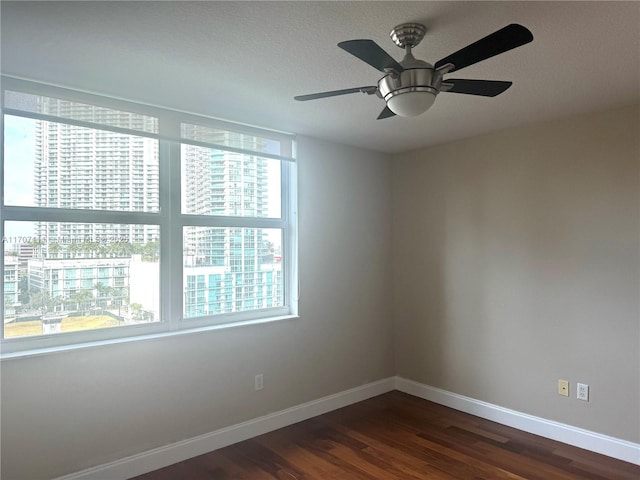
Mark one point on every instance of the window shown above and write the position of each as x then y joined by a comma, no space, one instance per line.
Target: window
121,219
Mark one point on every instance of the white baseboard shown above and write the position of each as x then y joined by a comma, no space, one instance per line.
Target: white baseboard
161,457
578,437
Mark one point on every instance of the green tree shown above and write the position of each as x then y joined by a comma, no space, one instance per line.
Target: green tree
104,294
136,310
119,296
53,249
41,300
151,251
102,251
37,243
120,249
270,247
23,287
56,302
267,252
83,299
74,248
91,249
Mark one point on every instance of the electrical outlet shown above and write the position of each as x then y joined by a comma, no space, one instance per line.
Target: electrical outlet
583,392
259,382
563,387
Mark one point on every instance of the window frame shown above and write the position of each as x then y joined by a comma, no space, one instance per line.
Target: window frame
169,218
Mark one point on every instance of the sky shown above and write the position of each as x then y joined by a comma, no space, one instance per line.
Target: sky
19,154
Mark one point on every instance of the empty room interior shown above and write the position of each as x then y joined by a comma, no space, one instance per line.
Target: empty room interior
317,240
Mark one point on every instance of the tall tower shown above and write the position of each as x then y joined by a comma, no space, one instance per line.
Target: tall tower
224,183
229,184
85,168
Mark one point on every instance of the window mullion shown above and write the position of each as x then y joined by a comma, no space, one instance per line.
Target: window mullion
44,214
290,241
2,157
232,222
174,280
171,259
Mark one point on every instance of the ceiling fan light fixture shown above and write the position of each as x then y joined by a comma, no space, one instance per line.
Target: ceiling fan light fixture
411,103
409,87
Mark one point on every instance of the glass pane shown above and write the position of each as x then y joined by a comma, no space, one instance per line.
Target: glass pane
80,111
64,276
49,164
229,139
231,270
216,182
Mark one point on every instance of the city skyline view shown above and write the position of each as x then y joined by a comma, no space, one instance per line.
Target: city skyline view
19,147
56,270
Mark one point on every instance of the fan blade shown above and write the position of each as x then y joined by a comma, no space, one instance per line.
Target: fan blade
503,40
386,113
368,90
370,52
486,88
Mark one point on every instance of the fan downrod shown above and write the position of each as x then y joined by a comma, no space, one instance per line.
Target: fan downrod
408,34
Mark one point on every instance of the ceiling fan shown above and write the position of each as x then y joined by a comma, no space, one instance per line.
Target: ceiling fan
409,87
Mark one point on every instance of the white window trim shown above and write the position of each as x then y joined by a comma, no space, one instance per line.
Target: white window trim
171,223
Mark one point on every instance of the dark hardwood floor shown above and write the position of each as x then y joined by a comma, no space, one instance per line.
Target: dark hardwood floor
398,436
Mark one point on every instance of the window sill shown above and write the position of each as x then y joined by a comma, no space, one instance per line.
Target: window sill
114,341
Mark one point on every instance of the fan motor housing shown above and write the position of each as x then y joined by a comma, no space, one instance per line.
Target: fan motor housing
418,78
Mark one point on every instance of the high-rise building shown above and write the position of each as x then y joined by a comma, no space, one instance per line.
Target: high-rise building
11,287
76,167
227,269
86,168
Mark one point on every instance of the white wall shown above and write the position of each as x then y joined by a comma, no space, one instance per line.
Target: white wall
516,263
68,411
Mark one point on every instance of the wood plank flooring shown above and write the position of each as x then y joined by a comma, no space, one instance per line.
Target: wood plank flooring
398,436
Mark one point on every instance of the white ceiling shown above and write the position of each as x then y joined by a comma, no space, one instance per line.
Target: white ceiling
244,61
